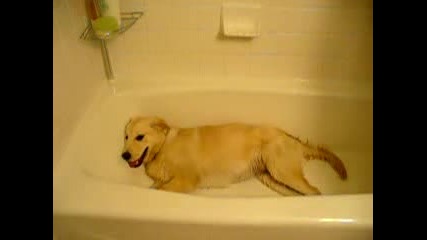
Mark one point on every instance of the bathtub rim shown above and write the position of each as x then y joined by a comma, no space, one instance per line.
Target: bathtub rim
107,201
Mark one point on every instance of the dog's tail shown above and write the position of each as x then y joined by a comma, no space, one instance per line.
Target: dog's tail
322,153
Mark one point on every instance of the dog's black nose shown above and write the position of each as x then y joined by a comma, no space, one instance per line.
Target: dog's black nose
126,156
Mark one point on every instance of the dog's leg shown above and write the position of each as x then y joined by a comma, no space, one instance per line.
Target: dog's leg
276,186
283,165
295,180
179,184
299,183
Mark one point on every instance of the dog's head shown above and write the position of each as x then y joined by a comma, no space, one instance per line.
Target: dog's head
144,136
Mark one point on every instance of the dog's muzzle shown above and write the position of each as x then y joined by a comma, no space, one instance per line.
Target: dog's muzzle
134,164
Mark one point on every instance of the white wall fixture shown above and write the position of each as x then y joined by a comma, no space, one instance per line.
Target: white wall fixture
240,20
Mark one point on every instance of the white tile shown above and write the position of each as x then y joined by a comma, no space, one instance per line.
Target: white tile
208,18
319,3
132,5
158,18
321,20
237,67
212,66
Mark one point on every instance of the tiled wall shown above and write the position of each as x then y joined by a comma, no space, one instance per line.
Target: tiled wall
77,70
322,44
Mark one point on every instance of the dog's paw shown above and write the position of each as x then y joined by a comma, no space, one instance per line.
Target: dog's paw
156,185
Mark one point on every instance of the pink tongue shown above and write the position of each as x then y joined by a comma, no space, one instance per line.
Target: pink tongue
133,164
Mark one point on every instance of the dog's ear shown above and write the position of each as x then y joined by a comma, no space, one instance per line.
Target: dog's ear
160,125
128,122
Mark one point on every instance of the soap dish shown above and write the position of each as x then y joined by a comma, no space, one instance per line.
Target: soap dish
240,20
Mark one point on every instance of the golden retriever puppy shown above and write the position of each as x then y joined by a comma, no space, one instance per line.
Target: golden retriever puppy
184,159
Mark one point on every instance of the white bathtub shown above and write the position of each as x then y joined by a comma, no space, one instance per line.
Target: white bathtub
97,196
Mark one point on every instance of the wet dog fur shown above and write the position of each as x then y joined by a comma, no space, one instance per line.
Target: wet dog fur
185,159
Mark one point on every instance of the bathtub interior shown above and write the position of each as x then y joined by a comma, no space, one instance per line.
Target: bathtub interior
343,124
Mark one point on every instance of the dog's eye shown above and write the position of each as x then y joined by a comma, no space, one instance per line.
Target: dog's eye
126,137
139,137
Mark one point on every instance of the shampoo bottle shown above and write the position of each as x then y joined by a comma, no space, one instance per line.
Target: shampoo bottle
104,16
